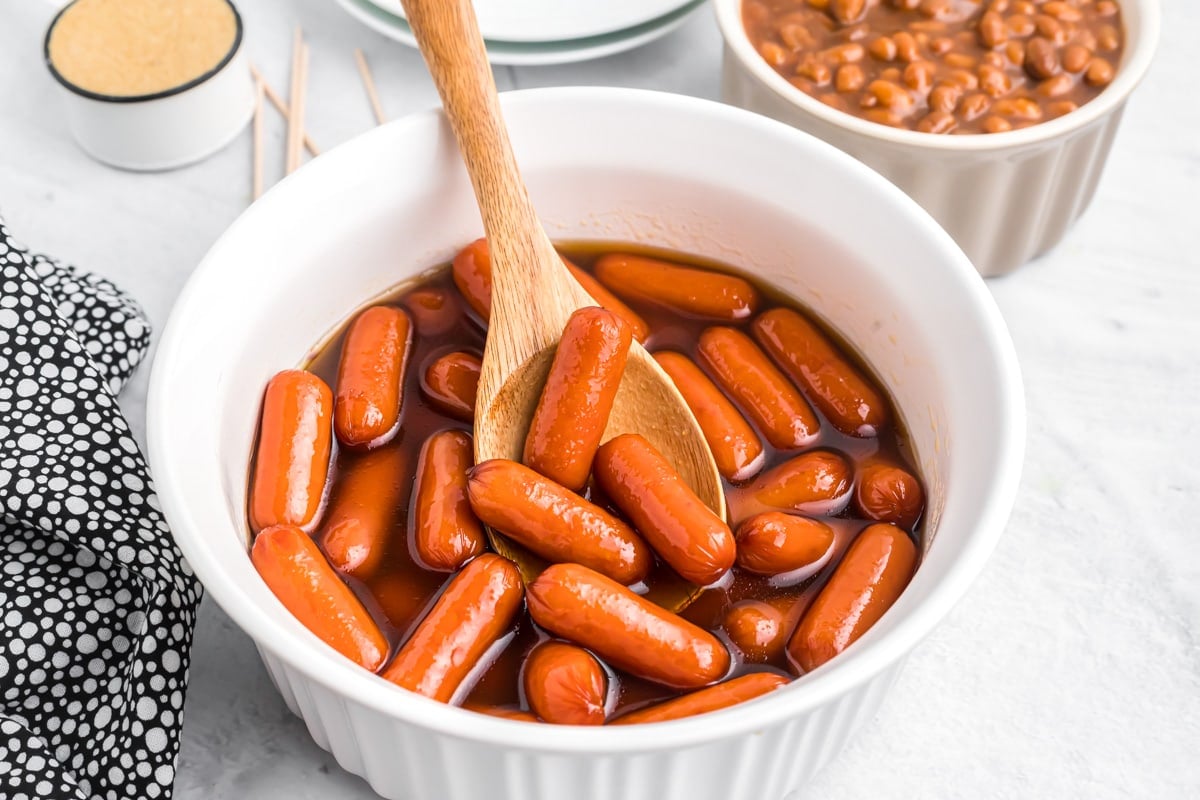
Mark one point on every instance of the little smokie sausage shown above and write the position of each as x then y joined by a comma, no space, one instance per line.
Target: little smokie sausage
473,277
294,569
734,444
362,511
554,522
565,684
714,698
888,493
869,579
451,383
694,292
749,377
476,609
573,409
446,533
681,529
757,629
814,363
814,482
626,630
292,460
434,311
773,543
371,376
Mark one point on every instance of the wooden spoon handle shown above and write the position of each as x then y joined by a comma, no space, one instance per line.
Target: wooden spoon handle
524,262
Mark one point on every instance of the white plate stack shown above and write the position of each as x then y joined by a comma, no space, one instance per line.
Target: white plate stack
531,32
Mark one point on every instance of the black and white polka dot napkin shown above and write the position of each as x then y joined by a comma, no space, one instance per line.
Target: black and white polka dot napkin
97,605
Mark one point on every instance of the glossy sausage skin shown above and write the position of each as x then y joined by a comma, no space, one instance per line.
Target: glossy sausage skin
370,376
734,444
291,463
433,311
773,543
451,383
556,523
814,482
446,533
473,277
846,398
714,698
699,293
504,712
565,684
627,631
749,377
682,530
363,511
888,493
573,409
869,579
477,608
757,629
294,569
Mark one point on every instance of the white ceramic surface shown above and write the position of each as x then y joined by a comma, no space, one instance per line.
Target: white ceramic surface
168,129
510,53
555,20
666,170
1005,198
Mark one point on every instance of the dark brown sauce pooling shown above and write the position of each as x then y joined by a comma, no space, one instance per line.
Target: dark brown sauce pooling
402,590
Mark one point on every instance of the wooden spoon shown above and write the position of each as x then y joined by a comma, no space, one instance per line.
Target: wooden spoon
532,292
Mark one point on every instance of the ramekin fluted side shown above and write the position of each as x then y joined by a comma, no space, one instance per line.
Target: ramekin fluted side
402,761
1003,208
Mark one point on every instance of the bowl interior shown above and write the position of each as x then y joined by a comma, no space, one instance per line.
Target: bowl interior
602,165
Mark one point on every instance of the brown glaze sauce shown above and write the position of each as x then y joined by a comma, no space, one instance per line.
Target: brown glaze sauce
402,591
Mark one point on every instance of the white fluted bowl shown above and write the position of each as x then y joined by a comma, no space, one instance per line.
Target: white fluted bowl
615,165
1004,197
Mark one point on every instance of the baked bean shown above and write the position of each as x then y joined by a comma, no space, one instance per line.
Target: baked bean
682,530
994,124
883,48
850,78
1075,58
960,61
906,46
994,60
1060,108
992,31
892,96
816,70
1050,28
734,444
451,382
291,462
943,98
820,5
1056,86
1107,8
810,359
580,388
875,570
847,11
363,511
973,106
796,36
941,45
937,122
702,294
366,408
892,74
756,629
833,100
1108,38
1018,108
1099,72
884,116
906,5
1015,52
748,377
934,8
298,575
624,629
773,543
888,493
446,533
849,53
918,76
963,78
1041,58
994,82
1020,26
714,698
565,684
477,608
1025,7
554,522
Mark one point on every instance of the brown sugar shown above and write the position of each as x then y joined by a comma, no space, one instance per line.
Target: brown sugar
129,48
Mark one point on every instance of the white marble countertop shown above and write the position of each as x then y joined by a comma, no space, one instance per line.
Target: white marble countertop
1071,669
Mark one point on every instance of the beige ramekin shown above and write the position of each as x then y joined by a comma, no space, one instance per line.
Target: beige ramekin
1005,198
